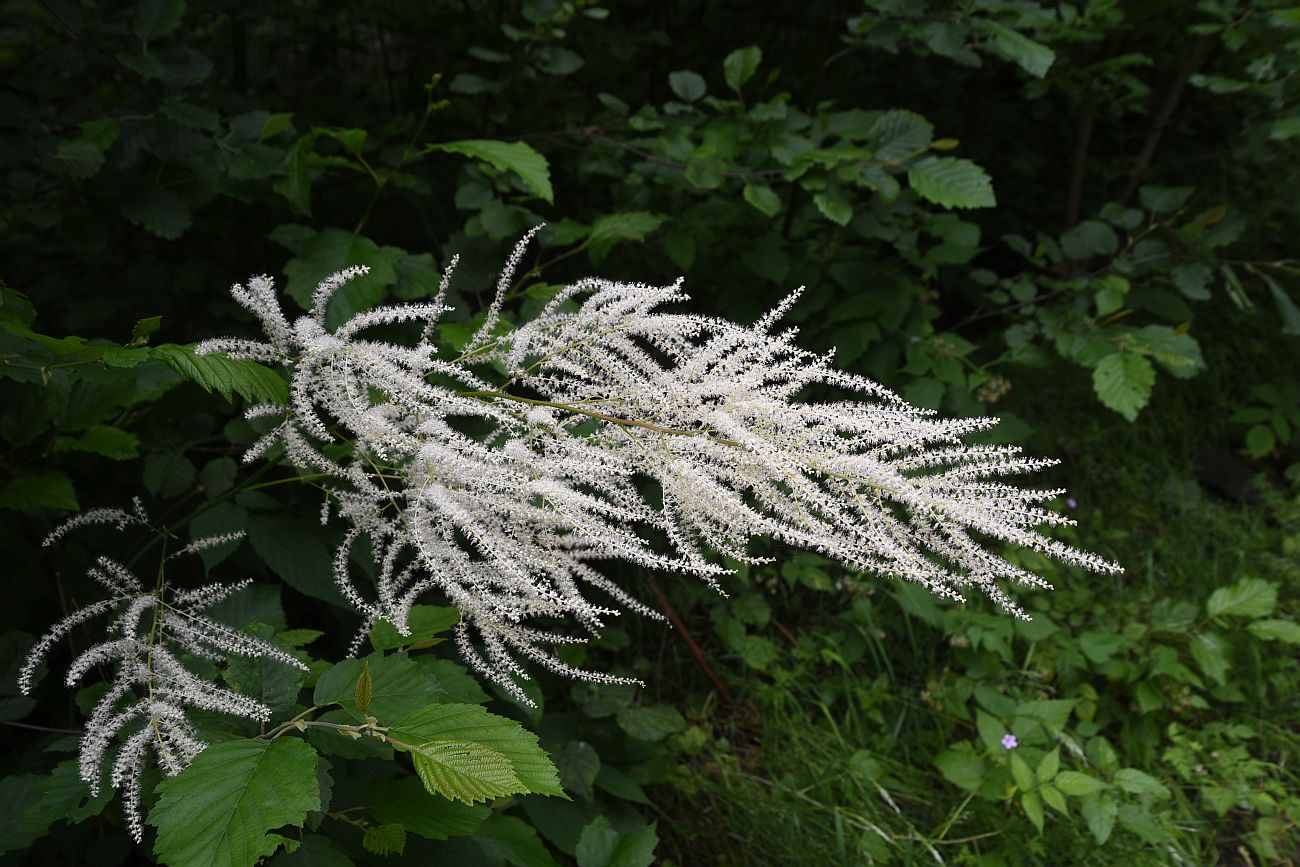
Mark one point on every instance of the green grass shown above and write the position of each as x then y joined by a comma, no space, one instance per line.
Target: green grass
822,761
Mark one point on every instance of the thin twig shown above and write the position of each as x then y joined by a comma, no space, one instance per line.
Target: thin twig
696,651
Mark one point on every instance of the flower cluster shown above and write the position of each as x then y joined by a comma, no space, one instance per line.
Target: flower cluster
151,687
498,475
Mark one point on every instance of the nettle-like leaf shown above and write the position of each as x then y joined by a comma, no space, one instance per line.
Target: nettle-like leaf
219,811
463,752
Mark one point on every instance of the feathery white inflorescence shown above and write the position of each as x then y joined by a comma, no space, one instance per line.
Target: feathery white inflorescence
604,390
151,688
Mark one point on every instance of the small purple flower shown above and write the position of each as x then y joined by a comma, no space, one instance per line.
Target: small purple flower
1009,741
1071,503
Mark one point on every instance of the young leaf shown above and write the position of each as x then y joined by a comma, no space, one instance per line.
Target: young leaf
1123,382
365,688
217,812
400,686
952,183
438,731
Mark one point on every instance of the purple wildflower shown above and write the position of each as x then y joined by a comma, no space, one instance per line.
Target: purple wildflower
1009,741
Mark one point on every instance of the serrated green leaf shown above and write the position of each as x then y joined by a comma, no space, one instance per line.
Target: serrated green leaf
254,382
1193,281
651,723
439,729
898,134
424,621
1048,767
1076,784
740,65
578,765
516,157
160,212
1163,200
1099,811
157,18
167,474
332,250
1033,805
762,198
601,846
1123,382
688,86
1021,773
47,490
834,205
952,183
610,229
389,839
219,810
1249,597
100,439
406,802
298,550
505,838
961,767
79,159
400,686
1211,653
1033,57
1089,238
1138,782
1276,630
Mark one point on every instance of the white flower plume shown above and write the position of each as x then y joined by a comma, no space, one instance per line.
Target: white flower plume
151,688
498,476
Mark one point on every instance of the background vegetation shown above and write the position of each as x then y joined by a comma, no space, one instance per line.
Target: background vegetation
1080,217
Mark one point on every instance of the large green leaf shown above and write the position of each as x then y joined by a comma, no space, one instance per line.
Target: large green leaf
515,156
400,686
219,810
740,65
47,490
952,182
425,622
296,549
455,748
332,250
602,846
898,134
1123,382
226,376
407,803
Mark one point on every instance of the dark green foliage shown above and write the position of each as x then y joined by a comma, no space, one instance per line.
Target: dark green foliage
1080,217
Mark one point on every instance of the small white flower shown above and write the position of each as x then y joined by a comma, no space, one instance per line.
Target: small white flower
605,388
